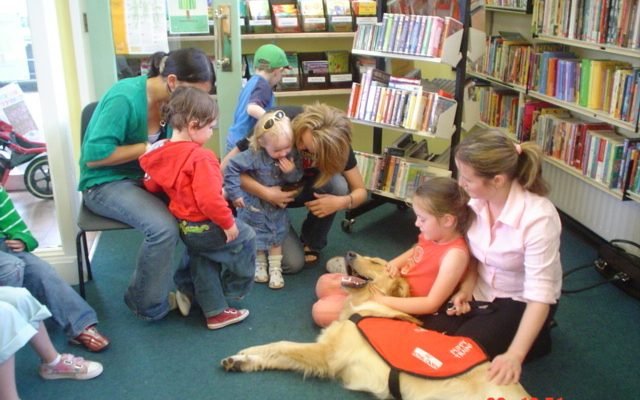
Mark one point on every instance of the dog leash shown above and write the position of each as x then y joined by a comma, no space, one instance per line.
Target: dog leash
477,308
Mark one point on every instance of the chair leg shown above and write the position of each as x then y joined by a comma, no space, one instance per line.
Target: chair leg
87,261
80,259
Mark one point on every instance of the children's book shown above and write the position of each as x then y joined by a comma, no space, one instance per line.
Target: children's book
259,16
312,15
285,16
339,16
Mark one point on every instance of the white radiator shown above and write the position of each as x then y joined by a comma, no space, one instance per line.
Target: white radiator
602,213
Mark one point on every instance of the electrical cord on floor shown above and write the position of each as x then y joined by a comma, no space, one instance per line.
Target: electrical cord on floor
620,276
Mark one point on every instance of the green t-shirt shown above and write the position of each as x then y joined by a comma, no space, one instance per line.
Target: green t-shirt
119,119
11,224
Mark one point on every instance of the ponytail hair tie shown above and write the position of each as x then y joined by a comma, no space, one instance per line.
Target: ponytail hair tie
518,148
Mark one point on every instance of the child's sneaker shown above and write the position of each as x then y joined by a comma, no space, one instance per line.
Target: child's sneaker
71,367
184,303
227,317
337,265
262,275
91,339
276,281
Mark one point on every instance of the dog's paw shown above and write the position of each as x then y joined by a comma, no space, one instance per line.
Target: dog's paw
232,363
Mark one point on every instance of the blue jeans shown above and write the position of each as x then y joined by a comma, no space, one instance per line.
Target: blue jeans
314,229
219,270
23,269
127,201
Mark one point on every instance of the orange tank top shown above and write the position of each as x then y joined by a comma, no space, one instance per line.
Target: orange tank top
422,267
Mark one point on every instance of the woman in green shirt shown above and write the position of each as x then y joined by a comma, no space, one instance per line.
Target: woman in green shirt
126,121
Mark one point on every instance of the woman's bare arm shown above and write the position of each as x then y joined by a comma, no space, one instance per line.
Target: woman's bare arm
121,155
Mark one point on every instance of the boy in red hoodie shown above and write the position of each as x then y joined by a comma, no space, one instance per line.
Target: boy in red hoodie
222,250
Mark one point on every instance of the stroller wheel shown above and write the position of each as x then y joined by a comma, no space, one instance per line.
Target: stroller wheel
37,178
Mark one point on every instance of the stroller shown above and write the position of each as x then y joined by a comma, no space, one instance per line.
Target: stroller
17,150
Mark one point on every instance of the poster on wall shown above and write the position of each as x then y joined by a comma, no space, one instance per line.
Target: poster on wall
188,16
139,26
14,110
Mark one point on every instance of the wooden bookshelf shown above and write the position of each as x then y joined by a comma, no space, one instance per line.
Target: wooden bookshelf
313,93
301,35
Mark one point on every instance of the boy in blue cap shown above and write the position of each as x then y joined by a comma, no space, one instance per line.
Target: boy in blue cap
257,95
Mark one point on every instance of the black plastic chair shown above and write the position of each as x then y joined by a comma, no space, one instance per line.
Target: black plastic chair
87,220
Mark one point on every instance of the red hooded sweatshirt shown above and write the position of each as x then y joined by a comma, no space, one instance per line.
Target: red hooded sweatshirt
190,175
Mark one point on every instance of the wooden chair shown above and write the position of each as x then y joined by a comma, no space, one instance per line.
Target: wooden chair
87,220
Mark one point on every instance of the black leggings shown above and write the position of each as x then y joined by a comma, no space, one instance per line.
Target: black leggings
493,330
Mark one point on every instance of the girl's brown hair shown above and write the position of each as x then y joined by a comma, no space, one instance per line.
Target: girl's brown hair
442,195
492,153
331,132
189,104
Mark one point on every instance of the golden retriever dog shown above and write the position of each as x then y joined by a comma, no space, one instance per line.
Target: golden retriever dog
340,351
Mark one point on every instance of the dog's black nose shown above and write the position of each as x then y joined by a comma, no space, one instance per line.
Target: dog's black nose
351,255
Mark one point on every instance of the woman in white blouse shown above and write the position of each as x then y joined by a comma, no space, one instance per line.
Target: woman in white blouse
515,240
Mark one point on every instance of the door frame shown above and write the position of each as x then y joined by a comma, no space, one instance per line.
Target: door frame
54,100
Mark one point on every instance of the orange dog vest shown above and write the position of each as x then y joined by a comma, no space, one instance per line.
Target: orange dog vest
406,347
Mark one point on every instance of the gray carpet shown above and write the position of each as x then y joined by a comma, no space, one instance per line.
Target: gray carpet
594,357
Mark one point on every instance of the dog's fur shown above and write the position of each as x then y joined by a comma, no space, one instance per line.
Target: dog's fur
341,353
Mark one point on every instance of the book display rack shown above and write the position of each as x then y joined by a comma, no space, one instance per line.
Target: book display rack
573,87
288,23
417,109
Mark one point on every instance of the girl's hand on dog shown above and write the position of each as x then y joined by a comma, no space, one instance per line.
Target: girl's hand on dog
505,369
392,270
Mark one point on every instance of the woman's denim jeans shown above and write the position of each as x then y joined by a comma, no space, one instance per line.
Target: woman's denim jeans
219,270
23,269
127,201
314,229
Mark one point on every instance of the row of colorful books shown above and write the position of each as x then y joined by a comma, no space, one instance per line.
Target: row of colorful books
614,22
397,101
516,4
310,71
498,107
594,149
419,35
291,16
506,58
395,175
604,85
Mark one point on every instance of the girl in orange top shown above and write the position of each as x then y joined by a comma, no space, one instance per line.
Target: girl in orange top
433,267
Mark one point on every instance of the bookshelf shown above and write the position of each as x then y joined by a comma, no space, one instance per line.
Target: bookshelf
332,32
604,192
415,110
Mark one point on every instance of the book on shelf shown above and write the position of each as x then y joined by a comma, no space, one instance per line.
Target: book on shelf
315,70
340,75
630,148
290,76
339,17
364,11
285,16
545,62
259,16
312,15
